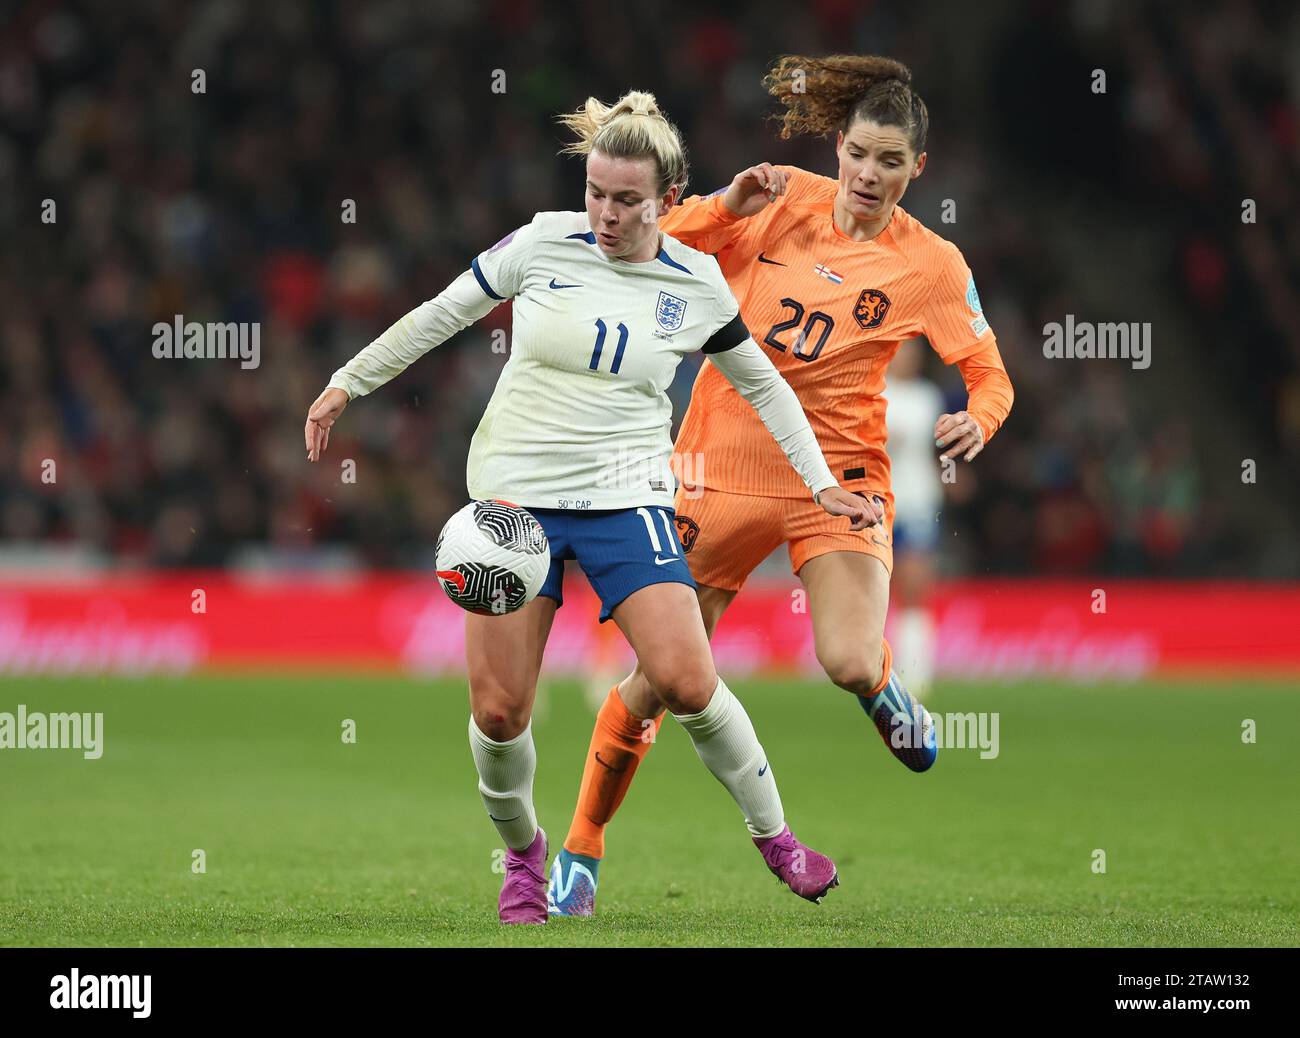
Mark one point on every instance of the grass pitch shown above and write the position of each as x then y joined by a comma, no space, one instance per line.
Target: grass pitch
312,841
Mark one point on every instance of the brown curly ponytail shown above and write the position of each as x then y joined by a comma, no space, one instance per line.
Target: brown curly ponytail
822,95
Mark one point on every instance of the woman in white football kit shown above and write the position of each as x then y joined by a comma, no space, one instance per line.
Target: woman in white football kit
915,404
577,432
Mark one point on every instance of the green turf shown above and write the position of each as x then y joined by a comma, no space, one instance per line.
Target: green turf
313,842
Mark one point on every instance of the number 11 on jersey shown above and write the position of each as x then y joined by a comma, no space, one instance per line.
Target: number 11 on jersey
600,343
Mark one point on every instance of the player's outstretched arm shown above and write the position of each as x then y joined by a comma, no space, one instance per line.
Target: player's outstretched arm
755,377
753,190
712,222
430,324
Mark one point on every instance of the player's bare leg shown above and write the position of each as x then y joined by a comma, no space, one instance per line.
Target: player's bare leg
626,725
504,656
635,690
663,625
848,597
672,645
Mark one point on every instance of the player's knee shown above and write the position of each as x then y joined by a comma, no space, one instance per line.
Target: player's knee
857,672
639,696
684,688
498,716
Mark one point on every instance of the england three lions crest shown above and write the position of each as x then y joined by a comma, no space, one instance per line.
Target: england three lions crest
670,312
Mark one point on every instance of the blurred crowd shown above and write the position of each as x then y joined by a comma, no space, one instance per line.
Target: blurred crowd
230,203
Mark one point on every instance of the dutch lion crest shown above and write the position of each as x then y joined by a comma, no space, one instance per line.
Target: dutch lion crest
871,308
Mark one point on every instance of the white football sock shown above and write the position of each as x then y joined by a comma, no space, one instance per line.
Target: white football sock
725,740
914,651
505,782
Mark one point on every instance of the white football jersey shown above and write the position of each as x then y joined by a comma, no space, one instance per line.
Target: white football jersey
914,405
580,417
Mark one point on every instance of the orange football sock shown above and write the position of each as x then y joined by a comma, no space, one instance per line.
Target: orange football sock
886,665
618,744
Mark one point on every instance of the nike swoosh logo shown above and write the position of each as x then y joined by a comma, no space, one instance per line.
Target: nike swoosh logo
664,562
877,540
452,577
776,263
496,819
554,285
763,770
609,767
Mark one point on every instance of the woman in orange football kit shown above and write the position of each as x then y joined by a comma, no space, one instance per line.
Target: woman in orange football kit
831,276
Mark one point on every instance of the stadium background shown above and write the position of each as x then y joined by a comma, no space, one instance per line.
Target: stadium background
178,476
226,206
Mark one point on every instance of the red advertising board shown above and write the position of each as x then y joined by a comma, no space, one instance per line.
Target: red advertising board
181,622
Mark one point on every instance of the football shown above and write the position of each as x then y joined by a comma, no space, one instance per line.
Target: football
492,557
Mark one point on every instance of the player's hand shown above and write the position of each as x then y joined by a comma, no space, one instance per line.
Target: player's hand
960,434
323,414
838,501
753,188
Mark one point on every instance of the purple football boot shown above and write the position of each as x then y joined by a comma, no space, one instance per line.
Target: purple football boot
799,867
523,894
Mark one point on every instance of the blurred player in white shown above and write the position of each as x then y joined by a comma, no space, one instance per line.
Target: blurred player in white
915,403
577,432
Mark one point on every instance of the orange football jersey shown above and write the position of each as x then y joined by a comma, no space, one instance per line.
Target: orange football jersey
830,312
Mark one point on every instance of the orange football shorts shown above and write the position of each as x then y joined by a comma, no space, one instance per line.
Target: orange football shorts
726,535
